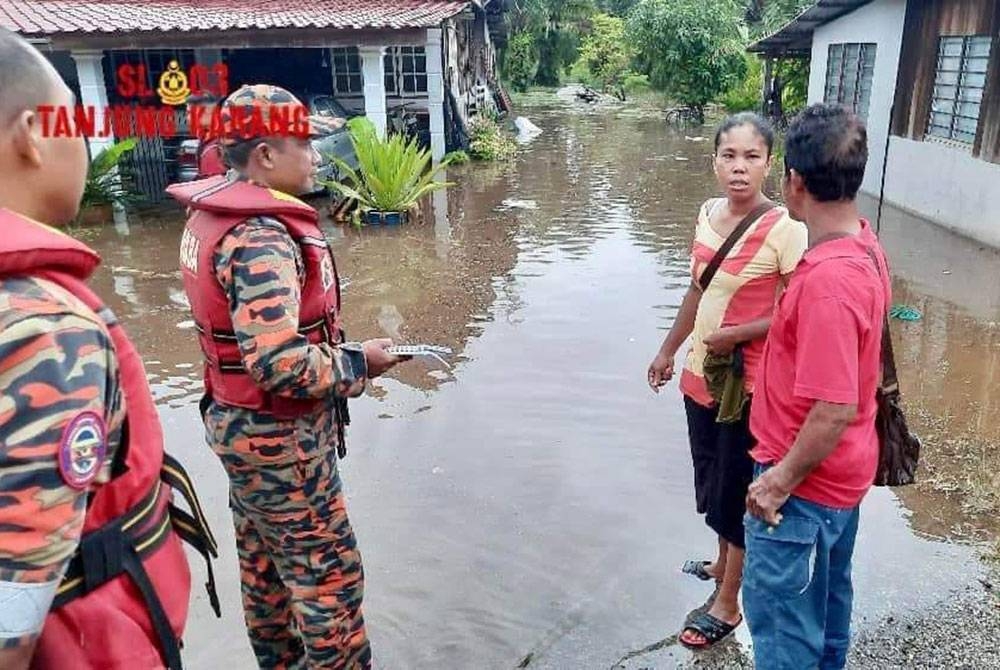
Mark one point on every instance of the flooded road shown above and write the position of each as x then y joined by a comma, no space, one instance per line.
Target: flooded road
532,506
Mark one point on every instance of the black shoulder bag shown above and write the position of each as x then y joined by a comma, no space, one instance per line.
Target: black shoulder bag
899,449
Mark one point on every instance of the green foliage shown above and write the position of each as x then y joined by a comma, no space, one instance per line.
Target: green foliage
617,7
581,73
104,185
555,27
393,174
489,141
605,54
691,49
746,96
795,76
635,84
520,61
769,16
457,158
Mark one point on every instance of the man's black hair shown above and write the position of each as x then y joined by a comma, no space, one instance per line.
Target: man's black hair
24,79
238,155
760,124
828,146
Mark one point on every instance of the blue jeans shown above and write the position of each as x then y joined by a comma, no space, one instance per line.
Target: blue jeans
797,589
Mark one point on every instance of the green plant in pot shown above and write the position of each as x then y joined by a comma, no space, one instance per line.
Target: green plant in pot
392,175
103,188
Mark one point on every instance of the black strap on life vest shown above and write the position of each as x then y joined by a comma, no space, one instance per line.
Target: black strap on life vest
121,545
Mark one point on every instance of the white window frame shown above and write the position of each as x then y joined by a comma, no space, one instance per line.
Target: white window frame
402,64
850,70
959,85
345,64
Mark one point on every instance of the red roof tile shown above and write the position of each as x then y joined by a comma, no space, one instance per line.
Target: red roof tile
48,17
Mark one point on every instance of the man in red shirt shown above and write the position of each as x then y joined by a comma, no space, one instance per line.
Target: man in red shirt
814,409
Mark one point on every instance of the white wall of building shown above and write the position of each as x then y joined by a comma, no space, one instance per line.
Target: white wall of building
946,185
934,180
881,23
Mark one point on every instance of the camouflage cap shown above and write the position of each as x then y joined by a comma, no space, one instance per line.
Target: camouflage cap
261,110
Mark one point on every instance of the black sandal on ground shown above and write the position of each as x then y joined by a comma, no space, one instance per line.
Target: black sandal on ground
712,629
697,568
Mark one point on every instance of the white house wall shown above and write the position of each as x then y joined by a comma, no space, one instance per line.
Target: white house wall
881,23
933,180
947,186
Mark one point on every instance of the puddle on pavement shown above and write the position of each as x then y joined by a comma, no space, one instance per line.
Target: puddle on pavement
533,505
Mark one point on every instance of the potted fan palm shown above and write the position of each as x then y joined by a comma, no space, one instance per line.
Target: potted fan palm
103,189
392,174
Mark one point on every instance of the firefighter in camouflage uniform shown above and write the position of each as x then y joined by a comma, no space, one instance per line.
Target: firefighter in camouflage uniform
93,575
265,296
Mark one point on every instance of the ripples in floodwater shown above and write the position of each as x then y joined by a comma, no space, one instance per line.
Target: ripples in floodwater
533,504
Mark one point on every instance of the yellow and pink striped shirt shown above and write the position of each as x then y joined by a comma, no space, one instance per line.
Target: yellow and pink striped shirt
744,289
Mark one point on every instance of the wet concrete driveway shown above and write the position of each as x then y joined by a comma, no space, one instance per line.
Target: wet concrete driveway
532,506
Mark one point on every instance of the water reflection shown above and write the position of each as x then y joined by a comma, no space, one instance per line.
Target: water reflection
533,502
949,366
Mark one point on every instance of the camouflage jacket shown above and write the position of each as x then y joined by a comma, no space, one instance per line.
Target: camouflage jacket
260,268
57,366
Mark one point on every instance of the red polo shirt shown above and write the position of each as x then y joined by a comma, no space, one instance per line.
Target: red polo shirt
825,344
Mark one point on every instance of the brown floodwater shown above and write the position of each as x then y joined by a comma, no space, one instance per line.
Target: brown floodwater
532,505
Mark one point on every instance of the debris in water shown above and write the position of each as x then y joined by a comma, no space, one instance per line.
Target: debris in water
905,313
681,158
694,139
526,130
186,325
514,203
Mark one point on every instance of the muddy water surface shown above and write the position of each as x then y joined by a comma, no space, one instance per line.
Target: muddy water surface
531,506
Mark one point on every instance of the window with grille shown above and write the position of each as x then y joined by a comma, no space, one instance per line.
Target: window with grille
959,82
346,71
405,71
850,69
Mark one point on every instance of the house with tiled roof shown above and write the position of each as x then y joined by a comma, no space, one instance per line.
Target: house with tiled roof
436,57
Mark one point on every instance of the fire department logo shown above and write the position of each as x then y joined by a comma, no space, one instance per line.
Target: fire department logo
173,88
82,449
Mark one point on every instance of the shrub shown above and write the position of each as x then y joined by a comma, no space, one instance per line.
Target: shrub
692,49
457,158
392,175
636,83
746,95
520,61
489,141
605,53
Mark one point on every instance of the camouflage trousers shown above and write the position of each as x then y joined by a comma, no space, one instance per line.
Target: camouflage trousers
301,573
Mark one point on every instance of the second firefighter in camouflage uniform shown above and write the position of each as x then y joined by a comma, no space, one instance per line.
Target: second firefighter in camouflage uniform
301,571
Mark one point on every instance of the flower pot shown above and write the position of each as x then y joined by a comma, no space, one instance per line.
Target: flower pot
95,215
376,218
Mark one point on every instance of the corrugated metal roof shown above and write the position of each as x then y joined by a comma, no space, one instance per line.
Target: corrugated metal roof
56,17
795,39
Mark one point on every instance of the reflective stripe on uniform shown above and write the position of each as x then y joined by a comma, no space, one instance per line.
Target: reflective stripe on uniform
23,607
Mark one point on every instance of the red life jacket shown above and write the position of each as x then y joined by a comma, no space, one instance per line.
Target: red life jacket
131,535
216,206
